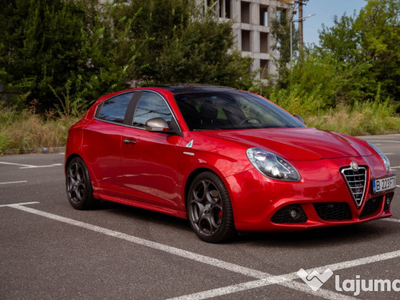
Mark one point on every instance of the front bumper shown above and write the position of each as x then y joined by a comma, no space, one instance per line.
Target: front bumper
322,197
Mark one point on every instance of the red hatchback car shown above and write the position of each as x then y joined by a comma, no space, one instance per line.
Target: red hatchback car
225,159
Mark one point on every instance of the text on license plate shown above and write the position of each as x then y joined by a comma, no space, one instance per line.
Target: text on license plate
384,184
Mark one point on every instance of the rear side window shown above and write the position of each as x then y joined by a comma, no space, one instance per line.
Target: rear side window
114,109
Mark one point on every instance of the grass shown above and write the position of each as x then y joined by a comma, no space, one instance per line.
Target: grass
23,131
362,119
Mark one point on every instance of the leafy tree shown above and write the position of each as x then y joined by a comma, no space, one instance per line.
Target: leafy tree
280,30
38,44
107,53
370,39
76,50
203,53
180,43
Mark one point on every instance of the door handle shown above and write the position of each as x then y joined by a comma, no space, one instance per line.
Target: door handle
129,141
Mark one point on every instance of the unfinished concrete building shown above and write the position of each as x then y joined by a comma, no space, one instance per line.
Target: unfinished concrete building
252,21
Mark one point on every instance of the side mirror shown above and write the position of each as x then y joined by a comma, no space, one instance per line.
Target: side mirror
299,118
157,125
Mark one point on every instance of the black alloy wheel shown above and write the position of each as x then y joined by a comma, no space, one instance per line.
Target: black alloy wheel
79,185
209,209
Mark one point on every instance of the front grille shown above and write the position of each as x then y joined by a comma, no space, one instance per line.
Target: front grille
290,214
371,206
356,181
333,211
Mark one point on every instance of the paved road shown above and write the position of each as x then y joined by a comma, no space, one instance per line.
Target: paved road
51,251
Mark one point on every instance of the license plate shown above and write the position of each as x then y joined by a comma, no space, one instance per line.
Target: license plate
384,184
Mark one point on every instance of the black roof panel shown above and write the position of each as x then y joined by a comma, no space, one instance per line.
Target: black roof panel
185,88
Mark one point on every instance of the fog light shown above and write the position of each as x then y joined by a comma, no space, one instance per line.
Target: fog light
294,214
388,201
289,214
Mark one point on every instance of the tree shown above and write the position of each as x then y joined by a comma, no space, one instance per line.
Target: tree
38,44
181,43
280,30
78,49
370,39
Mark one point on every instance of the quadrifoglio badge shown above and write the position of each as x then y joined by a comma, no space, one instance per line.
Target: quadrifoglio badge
315,280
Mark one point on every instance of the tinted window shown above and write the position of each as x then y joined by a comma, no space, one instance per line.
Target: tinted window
151,106
231,110
114,109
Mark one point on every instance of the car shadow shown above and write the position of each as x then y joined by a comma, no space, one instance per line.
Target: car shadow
328,236
144,215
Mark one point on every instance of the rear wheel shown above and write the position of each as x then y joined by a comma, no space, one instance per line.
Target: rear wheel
209,209
79,185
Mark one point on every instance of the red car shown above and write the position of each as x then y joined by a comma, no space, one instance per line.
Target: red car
225,159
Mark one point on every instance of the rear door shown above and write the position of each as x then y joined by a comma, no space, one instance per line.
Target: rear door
103,137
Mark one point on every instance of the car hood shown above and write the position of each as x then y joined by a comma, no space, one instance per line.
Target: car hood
297,143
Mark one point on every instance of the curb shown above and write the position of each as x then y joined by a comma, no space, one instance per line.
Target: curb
42,150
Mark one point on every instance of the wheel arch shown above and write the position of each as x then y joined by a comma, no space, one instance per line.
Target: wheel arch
93,178
68,160
198,171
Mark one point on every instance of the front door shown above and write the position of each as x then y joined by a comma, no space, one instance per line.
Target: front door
150,159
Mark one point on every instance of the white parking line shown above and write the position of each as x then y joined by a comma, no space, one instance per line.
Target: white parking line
45,166
391,220
14,164
12,182
24,166
383,141
25,203
176,251
286,280
264,279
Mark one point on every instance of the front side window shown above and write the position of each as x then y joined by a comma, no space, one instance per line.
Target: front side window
114,109
151,106
231,110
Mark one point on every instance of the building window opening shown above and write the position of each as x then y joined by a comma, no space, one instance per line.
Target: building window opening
263,15
264,42
245,11
264,65
228,9
246,40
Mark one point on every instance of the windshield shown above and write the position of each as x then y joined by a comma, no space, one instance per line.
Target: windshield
231,110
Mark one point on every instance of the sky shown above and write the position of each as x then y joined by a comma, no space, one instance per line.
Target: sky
325,11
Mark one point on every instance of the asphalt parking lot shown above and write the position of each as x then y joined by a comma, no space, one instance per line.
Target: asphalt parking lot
51,251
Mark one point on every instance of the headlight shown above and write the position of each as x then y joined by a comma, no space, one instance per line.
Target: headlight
386,161
272,165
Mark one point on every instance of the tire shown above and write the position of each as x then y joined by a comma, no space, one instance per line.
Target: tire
209,209
79,186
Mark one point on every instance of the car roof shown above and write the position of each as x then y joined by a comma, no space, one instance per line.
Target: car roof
192,88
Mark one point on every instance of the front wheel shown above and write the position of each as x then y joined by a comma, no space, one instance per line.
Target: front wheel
209,209
79,185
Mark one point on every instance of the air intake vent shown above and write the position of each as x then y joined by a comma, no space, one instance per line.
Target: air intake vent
356,181
333,211
371,206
